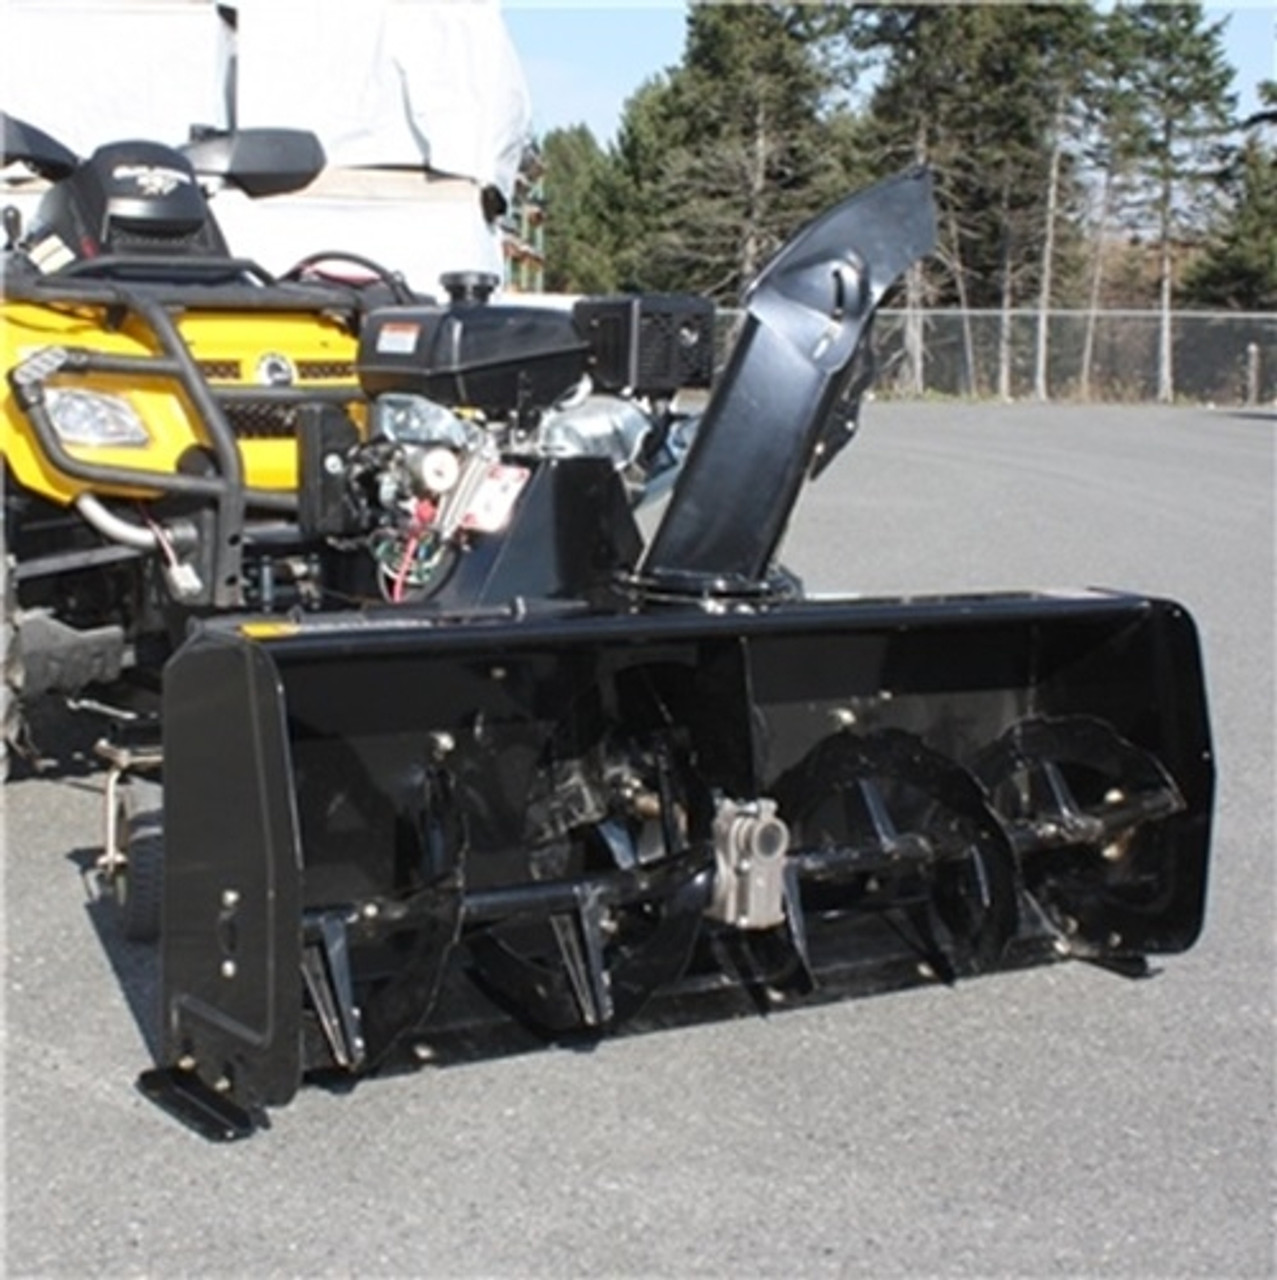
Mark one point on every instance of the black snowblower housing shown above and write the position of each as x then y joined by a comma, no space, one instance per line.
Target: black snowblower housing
676,788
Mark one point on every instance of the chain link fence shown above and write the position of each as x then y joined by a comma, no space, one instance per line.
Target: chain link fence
1216,357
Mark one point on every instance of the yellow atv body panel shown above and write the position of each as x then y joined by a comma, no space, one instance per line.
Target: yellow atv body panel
233,350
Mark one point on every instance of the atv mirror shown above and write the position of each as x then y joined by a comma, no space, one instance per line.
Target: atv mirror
261,162
25,144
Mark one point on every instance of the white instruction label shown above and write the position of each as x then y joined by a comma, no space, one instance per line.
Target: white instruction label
493,503
398,337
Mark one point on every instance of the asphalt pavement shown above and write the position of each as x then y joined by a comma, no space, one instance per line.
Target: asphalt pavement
1054,1122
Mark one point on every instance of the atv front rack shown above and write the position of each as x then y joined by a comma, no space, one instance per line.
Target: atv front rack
221,490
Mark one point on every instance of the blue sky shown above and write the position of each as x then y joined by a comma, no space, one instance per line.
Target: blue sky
583,58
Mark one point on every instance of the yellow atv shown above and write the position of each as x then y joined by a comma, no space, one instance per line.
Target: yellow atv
158,390
185,435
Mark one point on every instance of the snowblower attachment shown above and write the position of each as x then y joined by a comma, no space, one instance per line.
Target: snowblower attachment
679,791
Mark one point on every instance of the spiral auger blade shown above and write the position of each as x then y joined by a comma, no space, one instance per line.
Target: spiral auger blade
604,886
885,822
585,955
1084,809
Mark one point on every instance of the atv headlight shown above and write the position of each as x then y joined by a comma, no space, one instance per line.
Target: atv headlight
94,418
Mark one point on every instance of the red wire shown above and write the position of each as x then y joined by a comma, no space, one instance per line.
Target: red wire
424,513
410,550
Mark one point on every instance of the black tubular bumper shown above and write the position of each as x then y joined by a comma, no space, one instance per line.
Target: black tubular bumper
225,489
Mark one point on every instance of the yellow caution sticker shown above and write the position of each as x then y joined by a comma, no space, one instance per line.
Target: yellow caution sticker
266,630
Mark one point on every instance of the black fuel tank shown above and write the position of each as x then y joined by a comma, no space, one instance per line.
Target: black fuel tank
482,356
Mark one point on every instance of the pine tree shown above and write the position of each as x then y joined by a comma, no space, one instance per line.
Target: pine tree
1067,47
918,114
987,96
653,126
721,158
1238,271
1111,145
1179,83
580,249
